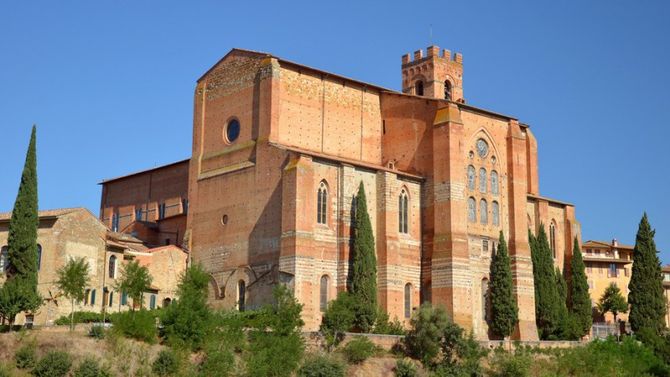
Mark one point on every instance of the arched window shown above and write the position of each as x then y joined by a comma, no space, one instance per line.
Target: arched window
93,297
552,238
495,213
471,177
495,189
323,293
4,258
39,257
482,180
403,212
112,266
418,88
241,293
483,212
485,291
152,302
472,211
322,204
447,90
166,302
408,300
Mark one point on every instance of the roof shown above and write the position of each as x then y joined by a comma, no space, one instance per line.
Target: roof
592,243
144,171
46,214
539,197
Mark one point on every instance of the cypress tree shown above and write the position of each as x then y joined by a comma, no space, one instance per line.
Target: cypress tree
364,268
547,301
579,300
504,309
22,238
562,287
647,304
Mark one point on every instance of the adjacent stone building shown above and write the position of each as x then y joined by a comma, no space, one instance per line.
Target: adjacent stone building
279,150
77,233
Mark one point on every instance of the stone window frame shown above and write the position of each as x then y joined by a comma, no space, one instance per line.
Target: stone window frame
408,300
324,290
403,211
322,203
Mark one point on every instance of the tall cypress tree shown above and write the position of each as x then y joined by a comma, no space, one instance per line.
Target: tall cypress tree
562,288
579,300
504,309
547,300
22,238
364,268
647,304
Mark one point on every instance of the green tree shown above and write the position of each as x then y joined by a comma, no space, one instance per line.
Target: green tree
16,296
579,300
612,301
338,318
547,300
647,303
561,286
427,327
134,280
364,268
72,280
504,309
22,239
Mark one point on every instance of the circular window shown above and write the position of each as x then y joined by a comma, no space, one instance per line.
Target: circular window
224,219
232,131
482,148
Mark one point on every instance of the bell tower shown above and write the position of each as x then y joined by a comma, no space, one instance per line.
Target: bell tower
439,74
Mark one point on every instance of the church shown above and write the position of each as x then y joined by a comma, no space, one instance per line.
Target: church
279,150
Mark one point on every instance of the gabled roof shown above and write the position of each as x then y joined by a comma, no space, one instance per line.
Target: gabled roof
605,244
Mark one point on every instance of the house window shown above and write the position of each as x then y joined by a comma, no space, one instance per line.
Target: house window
483,212
93,297
4,258
166,302
39,257
322,204
447,90
124,298
111,298
589,269
495,213
552,238
485,245
612,272
472,211
112,266
418,88
471,177
495,189
323,293
184,206
115,222
408,300
138,214
161,211
241,293
152,302
403,211
482,180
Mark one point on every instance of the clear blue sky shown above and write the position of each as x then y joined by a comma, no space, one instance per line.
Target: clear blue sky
110,85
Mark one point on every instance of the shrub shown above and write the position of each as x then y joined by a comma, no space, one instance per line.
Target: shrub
80,317
506,364
386,327
659,344
405,368
338,318
166,364
219,359
138,324
359,349
26,356
91,368
427,327
53,364
321,366
97,332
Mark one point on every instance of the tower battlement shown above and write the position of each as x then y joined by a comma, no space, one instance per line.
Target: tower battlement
433,72
432,52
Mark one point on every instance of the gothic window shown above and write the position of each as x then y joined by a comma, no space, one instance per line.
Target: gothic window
483,212
112,266
241,293
39,257
4,258
403,212
552,238
495,213
408,300
472,211
322,204
471,177
323,293
485,289
482,180
494,183
418,88
447,90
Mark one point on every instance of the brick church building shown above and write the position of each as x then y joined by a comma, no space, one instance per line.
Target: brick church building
279,150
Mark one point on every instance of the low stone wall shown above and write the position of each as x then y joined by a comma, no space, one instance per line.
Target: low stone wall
512,344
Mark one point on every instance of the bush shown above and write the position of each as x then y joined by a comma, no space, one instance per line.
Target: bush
405,368
53,364
659,344
321,366
506,364
359,349
386,327
427,328
166,364
138,324
338,318
91,368
26,356
97,332
80,317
